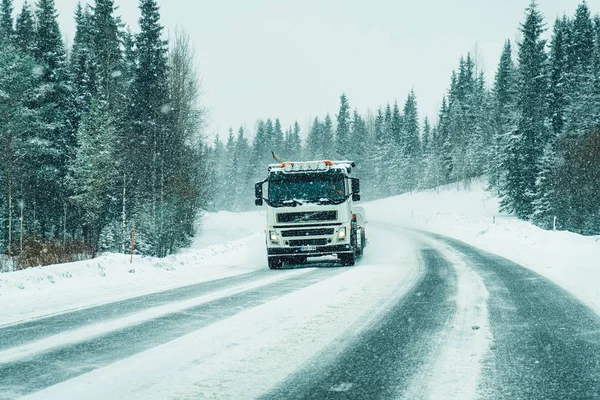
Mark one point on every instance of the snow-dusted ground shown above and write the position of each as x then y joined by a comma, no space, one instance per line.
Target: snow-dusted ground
230,244
245,355
472,215
268,341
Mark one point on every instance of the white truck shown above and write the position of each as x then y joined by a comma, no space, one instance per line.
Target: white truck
311,212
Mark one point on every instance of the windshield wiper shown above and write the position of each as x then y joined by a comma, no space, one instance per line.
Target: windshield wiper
295,202
324,200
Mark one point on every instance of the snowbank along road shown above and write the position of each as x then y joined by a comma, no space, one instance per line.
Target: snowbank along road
421,316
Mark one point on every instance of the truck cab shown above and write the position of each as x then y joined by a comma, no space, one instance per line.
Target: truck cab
310,212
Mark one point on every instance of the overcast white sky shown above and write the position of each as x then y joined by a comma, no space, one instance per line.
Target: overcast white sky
292,59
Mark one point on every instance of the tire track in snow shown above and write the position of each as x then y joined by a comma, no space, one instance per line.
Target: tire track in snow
546,343
39,371
380,362
454,371
17,334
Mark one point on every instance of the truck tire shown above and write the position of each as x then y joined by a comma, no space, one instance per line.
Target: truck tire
347,260
360,243
275,262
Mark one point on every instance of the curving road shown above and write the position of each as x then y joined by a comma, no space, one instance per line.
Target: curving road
431,318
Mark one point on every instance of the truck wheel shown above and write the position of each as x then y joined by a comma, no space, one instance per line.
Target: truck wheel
347,260
275,262
360,245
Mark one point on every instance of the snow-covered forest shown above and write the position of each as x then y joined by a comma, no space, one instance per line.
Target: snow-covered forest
97,139
106,135
533,129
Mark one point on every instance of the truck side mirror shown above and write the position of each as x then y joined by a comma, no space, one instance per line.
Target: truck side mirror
355,186
356,197
258,194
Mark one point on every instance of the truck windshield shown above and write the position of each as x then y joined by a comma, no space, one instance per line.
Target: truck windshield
307,187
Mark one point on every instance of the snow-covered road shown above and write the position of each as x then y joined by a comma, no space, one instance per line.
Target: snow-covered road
421,316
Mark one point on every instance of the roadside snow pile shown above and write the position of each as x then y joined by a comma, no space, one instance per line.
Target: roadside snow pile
111,277
472,216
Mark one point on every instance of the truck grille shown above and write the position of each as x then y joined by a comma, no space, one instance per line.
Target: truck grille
308,232
307,216
308,242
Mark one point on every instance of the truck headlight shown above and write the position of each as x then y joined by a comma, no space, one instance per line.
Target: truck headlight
342,233
273,236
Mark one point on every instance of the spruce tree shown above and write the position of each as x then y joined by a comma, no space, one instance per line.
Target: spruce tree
327,139
271,138
359,139
148,96
82,64
528,142
95,174
295,143
581,108
261,154
241,186
342,134
148,115
412,146
229,174
558,76
51,196
378,157
277,136
314,142
106,50
7,30
23,152
25,30
504,113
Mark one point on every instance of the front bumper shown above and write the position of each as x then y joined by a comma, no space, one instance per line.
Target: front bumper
319,251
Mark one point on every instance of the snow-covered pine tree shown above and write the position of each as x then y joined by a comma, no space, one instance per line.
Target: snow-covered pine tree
580,110
271,139
106,51
359,137
327,139
427,179
148,116
377,157
278,138
529,140
286,150
25,30
261,154
504,114
558,76
22,151
295,143
412,146
7,30
95,175
479,147
342,133
229,172
314,142
241,186
396,154
82,63
51,192
461,117
546,204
